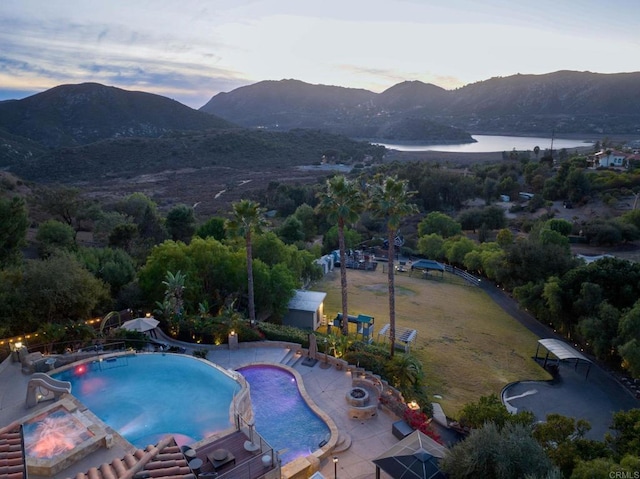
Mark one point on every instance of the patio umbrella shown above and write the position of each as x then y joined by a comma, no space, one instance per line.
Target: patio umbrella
313,346
140,324
417,456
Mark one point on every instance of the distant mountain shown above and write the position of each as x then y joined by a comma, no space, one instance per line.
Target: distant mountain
271,104
70,115
564,101
282,105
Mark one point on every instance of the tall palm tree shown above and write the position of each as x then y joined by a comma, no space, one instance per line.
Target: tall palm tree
342,203
247,218
390,202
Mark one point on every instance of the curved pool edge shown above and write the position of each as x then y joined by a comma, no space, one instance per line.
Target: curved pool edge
324,451
240,404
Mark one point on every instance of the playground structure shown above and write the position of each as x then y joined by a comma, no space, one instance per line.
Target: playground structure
356,259
364,325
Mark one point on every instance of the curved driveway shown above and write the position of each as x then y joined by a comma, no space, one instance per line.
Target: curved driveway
573,394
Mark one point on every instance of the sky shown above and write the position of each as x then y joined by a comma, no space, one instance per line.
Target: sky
190,50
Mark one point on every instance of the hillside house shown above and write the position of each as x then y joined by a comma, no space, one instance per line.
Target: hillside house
607,159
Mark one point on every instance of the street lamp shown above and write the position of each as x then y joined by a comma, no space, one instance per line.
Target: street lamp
335,467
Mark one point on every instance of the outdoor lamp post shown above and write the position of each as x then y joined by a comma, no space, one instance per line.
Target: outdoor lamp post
335,467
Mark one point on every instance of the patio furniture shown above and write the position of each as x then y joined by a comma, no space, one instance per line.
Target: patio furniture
220,457
401,429
195,465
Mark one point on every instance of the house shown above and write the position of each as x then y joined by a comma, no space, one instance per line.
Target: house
607,159
306,310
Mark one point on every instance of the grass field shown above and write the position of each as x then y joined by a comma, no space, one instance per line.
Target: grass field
468,345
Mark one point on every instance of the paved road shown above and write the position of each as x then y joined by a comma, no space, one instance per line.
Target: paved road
572,393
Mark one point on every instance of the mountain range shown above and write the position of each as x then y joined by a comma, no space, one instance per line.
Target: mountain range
563,101
70,126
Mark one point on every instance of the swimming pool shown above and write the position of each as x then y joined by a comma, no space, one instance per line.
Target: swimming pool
147,396
282,416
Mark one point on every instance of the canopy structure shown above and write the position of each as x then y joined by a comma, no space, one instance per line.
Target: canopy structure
563,352
140,324
417,456
426,265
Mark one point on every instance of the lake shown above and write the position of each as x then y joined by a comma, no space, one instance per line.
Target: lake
489,143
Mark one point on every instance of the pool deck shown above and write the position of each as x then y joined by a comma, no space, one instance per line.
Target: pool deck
327,387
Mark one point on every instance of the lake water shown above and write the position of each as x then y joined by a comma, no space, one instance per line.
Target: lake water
489,143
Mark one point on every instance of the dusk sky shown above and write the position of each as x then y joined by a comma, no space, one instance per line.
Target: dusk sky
190,50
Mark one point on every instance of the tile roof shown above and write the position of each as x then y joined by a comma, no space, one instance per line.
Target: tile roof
163,461
12,460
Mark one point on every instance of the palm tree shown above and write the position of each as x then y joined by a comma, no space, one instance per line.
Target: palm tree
247,218
342,203
390,202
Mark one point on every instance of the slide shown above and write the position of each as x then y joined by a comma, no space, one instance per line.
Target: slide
42,387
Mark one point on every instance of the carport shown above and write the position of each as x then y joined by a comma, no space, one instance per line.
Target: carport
563,352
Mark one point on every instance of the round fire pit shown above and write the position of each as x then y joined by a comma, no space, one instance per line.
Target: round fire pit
357,397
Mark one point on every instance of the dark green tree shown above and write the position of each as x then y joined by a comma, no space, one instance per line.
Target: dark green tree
181,223
291,230
14,221
113,266
439,223
307,216
57,289
498,453
212,228
53,236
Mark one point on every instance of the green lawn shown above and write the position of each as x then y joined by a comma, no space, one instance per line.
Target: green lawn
468,345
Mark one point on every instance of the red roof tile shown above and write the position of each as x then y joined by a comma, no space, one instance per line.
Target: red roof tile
12,460
164,461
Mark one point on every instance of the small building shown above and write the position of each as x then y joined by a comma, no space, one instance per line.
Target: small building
306,310
607,159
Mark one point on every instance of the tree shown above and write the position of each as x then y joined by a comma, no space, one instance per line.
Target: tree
307,217
247,218
626,440
331,239
174,284
432,246
212,228
439,223
390,202
342,204
181,223
561,437
14,221
53,235
114,266
498,453
63,203
490,409
57,289
291,230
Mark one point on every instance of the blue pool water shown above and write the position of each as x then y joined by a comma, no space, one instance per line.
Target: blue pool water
144,397
282,416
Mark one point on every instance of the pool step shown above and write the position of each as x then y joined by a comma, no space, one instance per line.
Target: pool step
290,358
344,442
